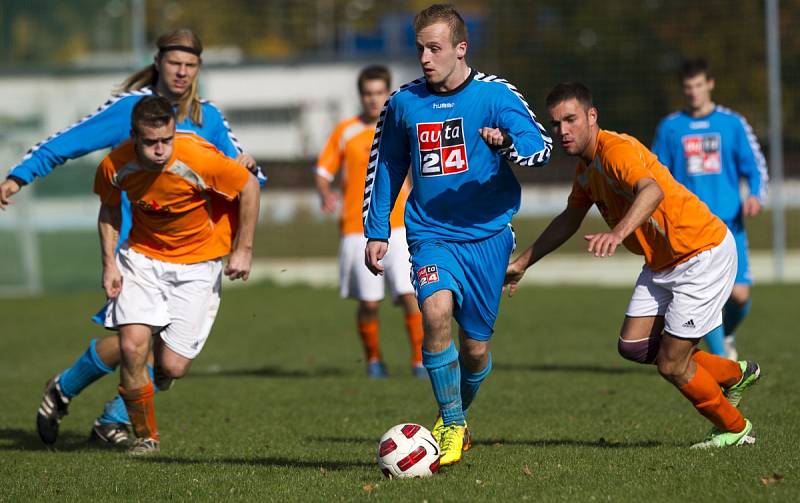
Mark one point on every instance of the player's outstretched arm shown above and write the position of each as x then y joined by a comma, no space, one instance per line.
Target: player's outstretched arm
8,188
241,259
648,196
373,254
108,222
563,227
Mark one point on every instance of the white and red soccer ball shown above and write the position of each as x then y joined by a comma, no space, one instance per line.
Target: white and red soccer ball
408,450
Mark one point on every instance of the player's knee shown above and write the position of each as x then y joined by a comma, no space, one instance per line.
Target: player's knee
368,309
671,370
640,351
475,354
174,369
133,350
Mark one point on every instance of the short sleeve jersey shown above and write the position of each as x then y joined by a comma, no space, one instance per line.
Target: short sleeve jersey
681,227
347,150
172,211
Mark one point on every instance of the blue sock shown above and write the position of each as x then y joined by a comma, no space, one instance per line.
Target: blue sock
445,374
115,411
733,314
87,369
715,341
471,382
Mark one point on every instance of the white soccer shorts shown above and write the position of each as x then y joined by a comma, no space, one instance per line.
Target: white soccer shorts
691,295
355,280
181,299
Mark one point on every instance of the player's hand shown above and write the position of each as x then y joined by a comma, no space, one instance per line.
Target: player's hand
514,273
239,264
373,254
8,188
494,137
248,161
603,244
112,281
329,202
751,206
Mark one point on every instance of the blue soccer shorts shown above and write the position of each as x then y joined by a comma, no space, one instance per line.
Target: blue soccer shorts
743,274
474,271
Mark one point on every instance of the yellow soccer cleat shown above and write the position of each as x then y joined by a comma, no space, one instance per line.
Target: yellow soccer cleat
438,428
451,444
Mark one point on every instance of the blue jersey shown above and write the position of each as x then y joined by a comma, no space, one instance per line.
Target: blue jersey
108,127
463,190
709,155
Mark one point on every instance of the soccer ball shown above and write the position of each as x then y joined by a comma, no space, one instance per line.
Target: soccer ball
408,450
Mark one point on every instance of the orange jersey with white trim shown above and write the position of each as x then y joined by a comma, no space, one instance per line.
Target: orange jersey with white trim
681,227
183,212
349,146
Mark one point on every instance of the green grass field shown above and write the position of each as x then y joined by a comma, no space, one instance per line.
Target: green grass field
277,407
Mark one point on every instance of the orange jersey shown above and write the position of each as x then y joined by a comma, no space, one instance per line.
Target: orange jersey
182,213
681,227
349,145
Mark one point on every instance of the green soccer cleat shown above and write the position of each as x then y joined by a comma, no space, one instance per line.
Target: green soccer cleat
727,439
751,373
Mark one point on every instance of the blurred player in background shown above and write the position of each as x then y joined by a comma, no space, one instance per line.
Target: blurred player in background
172,75
348,147
165,282
709,149
455,128
690,260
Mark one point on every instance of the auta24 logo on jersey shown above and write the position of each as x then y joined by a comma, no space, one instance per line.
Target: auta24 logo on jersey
441,147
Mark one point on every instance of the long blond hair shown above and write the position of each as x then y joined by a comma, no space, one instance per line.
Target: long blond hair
189,104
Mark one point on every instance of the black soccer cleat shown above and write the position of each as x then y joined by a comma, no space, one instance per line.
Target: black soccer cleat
110,434
53,407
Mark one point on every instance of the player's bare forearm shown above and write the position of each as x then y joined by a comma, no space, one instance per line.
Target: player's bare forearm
648,196
108,223
249,203
8,188
328,199
240,261
563,227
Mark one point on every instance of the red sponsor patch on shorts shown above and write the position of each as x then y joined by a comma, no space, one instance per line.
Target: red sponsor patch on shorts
427,274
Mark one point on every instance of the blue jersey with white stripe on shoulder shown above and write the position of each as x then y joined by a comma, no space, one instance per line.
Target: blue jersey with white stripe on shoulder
709,155
109,126
463,190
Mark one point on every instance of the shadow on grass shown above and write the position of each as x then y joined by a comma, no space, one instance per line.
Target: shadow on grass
499,442
558,367
264,461
268,372
12,439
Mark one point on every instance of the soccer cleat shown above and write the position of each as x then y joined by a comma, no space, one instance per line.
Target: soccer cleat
419,371
52,409
110,434
438,429
451,444
728,438
376,370
751,373
729,343
144,447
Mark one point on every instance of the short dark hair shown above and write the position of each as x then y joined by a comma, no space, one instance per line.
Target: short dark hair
693,67
374,72
153,111
568,90
442,13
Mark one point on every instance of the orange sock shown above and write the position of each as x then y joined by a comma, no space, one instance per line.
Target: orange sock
704,393
141,410
414,329
724,371
369,338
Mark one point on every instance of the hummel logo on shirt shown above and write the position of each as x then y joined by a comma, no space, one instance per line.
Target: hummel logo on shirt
688,324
